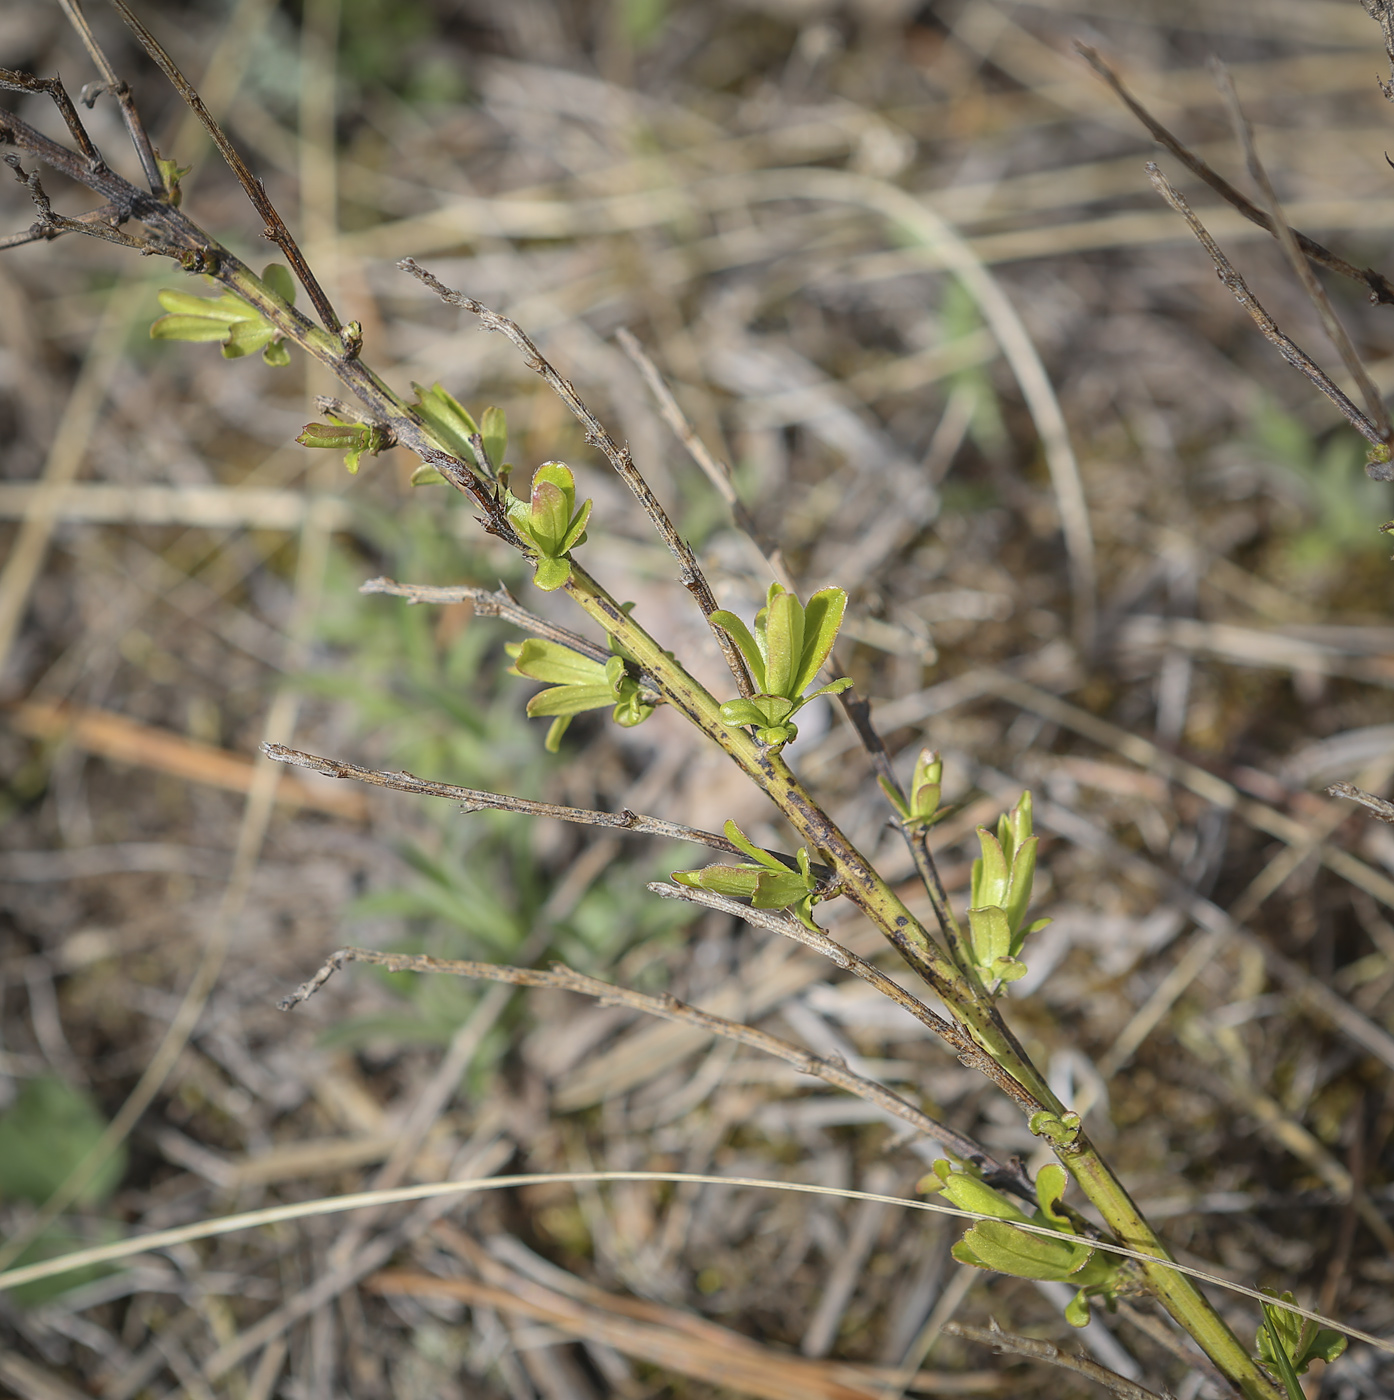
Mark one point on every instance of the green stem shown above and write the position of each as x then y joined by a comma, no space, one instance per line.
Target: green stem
1178,1294
969,1003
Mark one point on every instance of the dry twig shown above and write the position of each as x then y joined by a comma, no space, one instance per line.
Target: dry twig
1292,353
1052,1355
669,1008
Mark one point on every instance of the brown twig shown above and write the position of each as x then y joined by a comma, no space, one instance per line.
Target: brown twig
275,228
1380,288
135,128
1382,12
1295,356
1052,1355
53,88
473,800
690,572
500,603
1316,293
1382,809
667,1008
964,1046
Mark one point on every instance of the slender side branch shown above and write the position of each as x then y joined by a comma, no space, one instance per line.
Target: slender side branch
497,604
1052,1355
1380,288
135,128
669,1008
99,223
275,230
1382,809
690,572
1316,293
474,800
715,470
969,1052
1296,357
53,88
928,871
857,710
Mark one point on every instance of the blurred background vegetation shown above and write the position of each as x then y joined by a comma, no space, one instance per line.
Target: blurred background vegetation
185,586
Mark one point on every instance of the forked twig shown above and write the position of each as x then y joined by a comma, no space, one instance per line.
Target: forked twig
135,128
1316,293
275,226
669,1008
1380,288
1293,354
54,89
690,572
854,706
964,1046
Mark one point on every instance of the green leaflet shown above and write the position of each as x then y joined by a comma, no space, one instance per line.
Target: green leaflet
1288,1343
784,654
452,427
352,439
925,791
1001,894
550,523
767,883
578,684
236,324
998,1244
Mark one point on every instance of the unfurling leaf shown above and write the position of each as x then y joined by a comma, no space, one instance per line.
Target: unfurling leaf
550,523
1287,1337
352,439
1001,894
171,172
784,654
999,1244
767,882
448,422
493,428
228,319
925,791
577,683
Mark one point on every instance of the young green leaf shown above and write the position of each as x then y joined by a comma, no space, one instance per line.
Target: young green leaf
493,428
447,420
553,663
822,620
999,1244
783,643
550,523
784,653
227,318
1289,1343
577,683
738,838
353,439
749,648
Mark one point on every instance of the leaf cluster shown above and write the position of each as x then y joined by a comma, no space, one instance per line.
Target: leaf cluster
766,882
1001,893
234,323
785,652
998,1243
